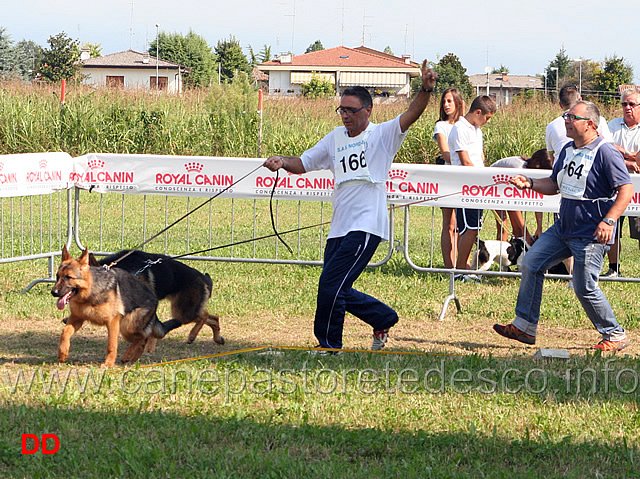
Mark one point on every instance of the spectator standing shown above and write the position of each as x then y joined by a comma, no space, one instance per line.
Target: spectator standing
467,149
451,109
625,132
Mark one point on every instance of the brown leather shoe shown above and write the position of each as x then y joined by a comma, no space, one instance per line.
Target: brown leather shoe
511,332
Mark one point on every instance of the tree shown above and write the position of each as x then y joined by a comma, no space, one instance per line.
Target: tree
95,49
615,72
231,58
388,51
451,73
500,69
29,58
314,47
190,50
317,87
563,63
586,70
59,61
265,54
8,57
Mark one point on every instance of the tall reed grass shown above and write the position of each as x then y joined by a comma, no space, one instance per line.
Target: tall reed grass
223,121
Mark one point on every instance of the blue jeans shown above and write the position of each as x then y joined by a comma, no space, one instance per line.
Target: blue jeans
550,249
344,259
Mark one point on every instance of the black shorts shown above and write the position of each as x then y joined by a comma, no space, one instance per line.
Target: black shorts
468,219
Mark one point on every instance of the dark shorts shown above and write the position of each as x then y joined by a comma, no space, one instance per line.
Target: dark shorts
468,219
634,226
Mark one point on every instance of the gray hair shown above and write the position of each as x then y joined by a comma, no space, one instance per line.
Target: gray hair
591,112
630,91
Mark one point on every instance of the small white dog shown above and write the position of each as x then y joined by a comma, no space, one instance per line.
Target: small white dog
502,253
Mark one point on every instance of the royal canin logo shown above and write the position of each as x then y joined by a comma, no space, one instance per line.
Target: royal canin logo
397,175
95,164
194,167
43,164
501,179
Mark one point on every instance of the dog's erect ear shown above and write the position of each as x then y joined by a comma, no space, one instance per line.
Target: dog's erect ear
65,253
84,257
92,260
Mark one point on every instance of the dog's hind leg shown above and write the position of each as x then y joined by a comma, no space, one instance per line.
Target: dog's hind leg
214,323
133,352
193,334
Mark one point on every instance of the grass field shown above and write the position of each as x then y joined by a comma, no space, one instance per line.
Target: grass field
445,399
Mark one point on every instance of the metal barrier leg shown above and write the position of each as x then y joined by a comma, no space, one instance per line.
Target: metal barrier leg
50,279
452,295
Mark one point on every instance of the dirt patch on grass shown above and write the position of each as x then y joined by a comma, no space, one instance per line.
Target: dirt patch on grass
25,341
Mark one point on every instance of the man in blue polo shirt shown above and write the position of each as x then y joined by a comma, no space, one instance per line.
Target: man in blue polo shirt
593,180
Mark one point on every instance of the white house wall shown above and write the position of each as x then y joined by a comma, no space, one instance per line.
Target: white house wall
279,82
133,79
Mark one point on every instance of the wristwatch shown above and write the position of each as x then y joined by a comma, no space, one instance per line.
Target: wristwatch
609,221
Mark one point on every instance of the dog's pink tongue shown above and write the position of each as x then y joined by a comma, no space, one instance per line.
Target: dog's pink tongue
62,302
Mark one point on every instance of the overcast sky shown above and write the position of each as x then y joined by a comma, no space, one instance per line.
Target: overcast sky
522,35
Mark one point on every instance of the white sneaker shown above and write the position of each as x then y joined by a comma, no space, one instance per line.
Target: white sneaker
379,339
316,351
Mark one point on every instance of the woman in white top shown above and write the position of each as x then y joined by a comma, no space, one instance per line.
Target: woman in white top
451,109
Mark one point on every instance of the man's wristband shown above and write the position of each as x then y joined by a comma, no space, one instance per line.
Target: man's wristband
530,182
429,90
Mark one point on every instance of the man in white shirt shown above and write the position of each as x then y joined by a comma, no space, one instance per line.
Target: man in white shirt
359,153
467,149
556,134
625,133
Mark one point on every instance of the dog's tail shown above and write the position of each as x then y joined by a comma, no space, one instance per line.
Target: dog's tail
159,329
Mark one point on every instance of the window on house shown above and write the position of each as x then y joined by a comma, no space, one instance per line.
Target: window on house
115,81
163,82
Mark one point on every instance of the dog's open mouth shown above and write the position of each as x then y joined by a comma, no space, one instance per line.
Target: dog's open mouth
63,300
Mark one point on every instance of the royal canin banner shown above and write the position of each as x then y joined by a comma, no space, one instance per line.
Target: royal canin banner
420,185
424,185
30,174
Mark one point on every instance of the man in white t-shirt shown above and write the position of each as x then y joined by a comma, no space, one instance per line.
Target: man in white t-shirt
466,149
359,154
556,133
625,132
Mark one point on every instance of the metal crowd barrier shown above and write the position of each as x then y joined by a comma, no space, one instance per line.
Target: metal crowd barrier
225,230
234,230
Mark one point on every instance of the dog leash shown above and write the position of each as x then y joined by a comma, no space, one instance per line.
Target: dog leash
183,217
302,228
276,233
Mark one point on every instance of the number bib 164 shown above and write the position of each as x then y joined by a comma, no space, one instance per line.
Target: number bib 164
572,180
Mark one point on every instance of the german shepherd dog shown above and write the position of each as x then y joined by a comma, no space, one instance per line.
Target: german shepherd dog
186,288
113,298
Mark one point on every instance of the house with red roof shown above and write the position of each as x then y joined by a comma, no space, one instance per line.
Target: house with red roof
343,67
131,70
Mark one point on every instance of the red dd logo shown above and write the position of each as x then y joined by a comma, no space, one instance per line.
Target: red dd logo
36,443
